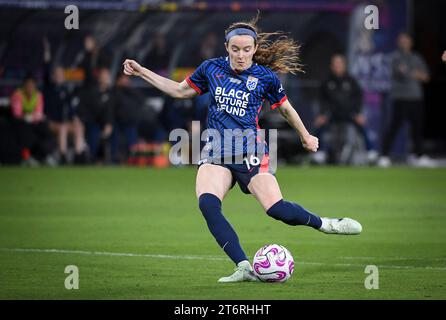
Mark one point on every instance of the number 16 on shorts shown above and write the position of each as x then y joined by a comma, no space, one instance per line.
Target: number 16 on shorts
253,161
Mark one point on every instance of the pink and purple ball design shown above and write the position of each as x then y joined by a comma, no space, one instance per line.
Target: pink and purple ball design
273,263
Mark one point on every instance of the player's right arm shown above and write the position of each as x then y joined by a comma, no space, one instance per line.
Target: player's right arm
180,90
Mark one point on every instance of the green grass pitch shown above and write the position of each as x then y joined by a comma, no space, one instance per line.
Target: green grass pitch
138,234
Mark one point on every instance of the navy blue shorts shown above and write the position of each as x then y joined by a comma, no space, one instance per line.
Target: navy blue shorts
244,172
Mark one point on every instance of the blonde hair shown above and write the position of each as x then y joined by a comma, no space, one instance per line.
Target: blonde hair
280,55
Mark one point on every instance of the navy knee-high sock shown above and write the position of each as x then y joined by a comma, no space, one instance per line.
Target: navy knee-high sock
220,228
293,214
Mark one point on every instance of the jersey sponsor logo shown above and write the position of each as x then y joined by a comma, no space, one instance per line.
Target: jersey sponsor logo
251,83
219,75
232,101
236,81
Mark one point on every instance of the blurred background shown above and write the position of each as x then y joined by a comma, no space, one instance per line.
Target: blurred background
373,97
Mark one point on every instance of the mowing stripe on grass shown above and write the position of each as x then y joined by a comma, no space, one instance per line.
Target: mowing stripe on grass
118,254
212,258
394,258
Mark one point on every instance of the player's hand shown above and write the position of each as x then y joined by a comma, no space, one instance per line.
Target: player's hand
89,43
46,50
107,131
28,118
320,120
403,69
359,119
420,75
310,143
132,68
46,43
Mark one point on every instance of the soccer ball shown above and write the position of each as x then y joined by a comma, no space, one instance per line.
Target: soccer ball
273,263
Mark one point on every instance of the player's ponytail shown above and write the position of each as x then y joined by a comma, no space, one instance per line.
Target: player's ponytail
276,50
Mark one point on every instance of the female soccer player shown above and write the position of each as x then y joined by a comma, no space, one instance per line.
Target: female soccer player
238,84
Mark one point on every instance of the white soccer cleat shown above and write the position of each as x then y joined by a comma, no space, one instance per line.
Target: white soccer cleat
243,272
372,156
319,157
422,162
384,162
340,226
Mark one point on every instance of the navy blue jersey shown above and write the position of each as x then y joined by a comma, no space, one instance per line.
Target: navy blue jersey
236,98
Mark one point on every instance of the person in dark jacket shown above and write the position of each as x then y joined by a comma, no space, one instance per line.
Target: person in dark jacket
59,108
409,73
96,111
341,102
126,116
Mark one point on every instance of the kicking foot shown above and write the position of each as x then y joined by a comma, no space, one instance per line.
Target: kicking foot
340,226
243,272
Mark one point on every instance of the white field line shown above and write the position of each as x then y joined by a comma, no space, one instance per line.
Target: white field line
394,258
211,258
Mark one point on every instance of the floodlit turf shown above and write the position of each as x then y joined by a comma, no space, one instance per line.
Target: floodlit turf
97,218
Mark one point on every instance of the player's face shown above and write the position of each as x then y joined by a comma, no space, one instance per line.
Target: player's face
338,66
29,86
405,42
58,75
241,49
123,81
104,77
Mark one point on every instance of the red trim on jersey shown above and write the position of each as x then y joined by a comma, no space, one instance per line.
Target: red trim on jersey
274,106
257,117
264,164
192,85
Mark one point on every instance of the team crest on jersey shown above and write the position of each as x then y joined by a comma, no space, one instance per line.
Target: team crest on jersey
251,84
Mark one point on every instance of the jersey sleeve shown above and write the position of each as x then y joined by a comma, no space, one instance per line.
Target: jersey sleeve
276,94
198,80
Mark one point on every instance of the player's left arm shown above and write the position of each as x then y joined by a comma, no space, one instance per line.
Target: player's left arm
421,72
309,142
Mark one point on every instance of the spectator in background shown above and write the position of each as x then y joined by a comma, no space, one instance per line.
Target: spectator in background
127,114
409,72
35,139
208,50
341,102
92,58
158,57
59,109
443,57
96,111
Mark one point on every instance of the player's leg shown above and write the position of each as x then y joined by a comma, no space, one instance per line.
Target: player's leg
213,179
63,141
58,129
266,190
372,154
320,157
415,116
77,129
395,123
212,184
